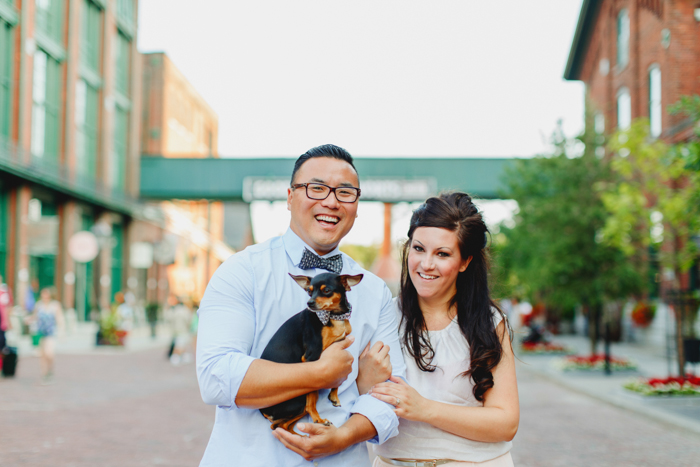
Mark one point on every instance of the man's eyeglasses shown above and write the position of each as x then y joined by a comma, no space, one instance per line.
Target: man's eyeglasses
318,191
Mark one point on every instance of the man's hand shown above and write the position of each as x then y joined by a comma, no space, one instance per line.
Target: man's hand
335,363
322,440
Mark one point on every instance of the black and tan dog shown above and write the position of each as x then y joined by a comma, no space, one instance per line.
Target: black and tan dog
305,335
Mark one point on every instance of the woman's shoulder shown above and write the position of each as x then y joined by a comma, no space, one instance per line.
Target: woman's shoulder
497,316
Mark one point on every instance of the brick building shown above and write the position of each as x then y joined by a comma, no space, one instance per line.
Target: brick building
177,122
636,58
69,153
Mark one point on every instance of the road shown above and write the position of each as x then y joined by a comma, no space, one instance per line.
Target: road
135,409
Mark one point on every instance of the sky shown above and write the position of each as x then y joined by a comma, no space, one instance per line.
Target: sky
377,77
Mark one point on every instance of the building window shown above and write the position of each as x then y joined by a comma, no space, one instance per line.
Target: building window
48,17
86,116
120,148
623,39
655,101
5,78
624,109
45,106
123,61
90,35
125,10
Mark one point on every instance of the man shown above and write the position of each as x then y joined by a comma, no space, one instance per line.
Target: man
251,295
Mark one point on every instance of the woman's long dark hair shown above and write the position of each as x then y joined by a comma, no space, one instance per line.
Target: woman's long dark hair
456,212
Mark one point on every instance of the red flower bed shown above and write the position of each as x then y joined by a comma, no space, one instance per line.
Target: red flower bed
672,386
595,362
543,347
694,380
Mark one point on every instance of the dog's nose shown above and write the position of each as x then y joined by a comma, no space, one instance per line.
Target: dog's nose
311,302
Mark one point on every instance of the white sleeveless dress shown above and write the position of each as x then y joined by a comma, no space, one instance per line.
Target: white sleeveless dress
418,440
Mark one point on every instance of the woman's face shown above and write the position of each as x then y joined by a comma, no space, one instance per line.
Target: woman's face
434,261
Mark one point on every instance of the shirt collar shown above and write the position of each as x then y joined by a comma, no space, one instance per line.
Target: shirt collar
295,246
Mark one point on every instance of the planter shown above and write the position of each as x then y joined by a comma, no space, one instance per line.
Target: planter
594,362
669,387
643,314
544,348
691,348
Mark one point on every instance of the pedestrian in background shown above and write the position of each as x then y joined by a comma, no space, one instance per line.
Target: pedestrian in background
125,312
5,307
179,317
48,318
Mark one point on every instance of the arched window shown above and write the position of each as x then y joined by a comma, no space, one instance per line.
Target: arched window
655,101
624,109
623,38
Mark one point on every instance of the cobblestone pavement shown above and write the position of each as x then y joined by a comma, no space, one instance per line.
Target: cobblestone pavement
559,427
135,409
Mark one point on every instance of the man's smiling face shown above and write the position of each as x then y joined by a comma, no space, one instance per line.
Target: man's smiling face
322,223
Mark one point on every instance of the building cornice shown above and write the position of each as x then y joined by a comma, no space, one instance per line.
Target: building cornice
582,36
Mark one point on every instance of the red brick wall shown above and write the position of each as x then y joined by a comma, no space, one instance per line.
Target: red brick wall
679,63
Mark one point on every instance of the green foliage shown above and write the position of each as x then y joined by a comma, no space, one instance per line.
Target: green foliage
553,253
654,200
364,255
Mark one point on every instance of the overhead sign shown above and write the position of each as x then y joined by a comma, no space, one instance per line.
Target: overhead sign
388,190
83,246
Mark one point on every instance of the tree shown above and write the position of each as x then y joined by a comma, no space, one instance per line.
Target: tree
554,251
654,203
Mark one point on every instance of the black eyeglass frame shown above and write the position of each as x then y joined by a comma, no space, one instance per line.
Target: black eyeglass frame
331,190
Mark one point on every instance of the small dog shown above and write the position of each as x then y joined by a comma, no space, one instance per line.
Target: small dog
305,335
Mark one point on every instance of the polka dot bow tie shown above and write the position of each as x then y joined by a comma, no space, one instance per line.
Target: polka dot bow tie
310,260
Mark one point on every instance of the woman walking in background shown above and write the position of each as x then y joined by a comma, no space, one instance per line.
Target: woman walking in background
47,316
460,405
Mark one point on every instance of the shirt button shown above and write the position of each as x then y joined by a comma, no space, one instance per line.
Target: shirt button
316,464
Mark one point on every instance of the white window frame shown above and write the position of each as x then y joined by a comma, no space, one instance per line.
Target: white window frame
39,83
623,38
655,108
624,109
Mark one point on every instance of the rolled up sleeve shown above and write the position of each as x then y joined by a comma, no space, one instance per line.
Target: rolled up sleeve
380,413
226,332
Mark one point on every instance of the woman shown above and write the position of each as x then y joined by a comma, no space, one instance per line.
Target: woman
460,405
47,315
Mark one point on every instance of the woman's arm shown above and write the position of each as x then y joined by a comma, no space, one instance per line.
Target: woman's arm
496,421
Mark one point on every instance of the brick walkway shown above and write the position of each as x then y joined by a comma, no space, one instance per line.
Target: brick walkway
130,409
559,427
135,409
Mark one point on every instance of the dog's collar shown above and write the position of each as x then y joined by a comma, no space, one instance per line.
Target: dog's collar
325,316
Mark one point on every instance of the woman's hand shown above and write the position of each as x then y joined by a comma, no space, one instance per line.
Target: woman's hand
409,404
374,366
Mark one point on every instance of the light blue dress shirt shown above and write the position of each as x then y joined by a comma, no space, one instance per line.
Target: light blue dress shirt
249,297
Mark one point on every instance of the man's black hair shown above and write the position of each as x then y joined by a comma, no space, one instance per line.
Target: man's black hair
325,150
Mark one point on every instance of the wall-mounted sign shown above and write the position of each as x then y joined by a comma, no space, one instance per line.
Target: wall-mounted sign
83,246
388,190
141,255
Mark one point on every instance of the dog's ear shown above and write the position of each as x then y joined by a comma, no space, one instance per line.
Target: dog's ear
303,281
350,281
